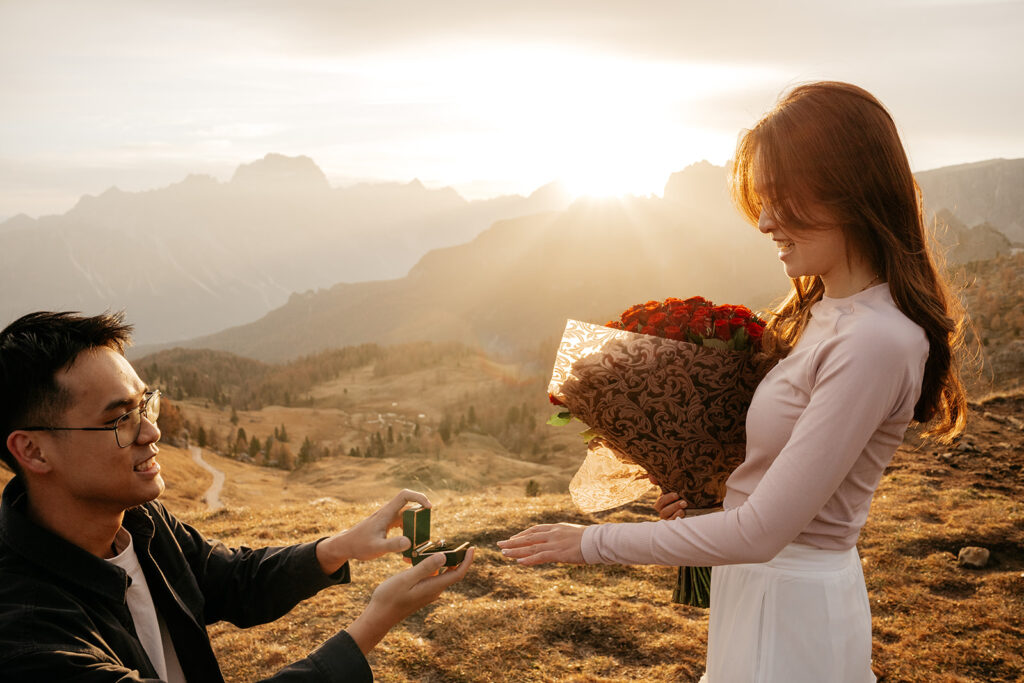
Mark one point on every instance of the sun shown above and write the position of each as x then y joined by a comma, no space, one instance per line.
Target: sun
616,180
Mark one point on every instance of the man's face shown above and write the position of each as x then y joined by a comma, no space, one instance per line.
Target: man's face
89,466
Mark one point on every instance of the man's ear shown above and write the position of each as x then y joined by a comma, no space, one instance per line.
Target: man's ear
28,451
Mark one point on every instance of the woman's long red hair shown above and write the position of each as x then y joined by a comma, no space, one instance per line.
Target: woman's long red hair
833,145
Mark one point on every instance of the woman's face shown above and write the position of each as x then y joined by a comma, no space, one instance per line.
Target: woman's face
819,250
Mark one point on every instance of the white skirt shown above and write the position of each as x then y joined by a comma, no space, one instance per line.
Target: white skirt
801,617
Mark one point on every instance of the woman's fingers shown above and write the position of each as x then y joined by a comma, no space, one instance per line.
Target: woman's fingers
545,543
665,499
526,537
670,506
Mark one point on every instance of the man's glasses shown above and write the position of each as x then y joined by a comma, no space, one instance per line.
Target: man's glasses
126,428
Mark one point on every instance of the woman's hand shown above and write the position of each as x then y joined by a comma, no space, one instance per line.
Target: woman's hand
670,506
369,539
545,543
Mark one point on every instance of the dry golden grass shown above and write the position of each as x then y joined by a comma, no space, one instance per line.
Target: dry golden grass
933,621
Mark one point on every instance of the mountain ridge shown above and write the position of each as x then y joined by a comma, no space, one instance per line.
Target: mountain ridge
201,255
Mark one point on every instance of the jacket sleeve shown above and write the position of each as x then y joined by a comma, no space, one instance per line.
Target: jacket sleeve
67,667
246,586
337,659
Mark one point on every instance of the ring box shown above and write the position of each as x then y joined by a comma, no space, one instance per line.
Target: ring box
416,527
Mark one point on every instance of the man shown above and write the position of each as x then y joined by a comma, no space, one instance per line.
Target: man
98,581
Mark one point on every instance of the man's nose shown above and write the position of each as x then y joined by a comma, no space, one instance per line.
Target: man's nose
149,432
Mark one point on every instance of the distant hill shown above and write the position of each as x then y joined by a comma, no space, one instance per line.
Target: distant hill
202,255
984,192
515,284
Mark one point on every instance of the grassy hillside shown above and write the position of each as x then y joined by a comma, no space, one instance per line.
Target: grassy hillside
932,620
452,420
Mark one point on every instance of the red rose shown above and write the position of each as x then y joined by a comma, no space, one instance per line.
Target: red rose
656,318
554,400
649,329
699,323
743,312
697,301
679,309
755,330
631,327
721,312
675,332
631,312
614,324
722,330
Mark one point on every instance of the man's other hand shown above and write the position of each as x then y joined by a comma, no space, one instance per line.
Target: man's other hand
402,594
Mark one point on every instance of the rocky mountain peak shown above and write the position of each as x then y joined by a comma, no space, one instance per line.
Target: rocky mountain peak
277,171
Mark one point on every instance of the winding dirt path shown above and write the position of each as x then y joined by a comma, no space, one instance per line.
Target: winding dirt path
212,495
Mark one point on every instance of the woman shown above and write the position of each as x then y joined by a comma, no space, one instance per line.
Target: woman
867,333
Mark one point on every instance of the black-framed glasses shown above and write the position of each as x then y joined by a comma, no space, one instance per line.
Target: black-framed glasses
126,428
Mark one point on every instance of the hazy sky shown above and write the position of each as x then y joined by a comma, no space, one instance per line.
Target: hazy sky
487,96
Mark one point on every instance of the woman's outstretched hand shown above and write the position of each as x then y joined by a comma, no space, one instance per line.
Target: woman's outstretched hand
545,543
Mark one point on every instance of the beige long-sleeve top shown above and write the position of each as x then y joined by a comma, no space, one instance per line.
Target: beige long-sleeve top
821,428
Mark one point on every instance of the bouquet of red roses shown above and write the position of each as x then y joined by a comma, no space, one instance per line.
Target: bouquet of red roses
664,392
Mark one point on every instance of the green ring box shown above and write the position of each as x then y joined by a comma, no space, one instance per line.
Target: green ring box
416,527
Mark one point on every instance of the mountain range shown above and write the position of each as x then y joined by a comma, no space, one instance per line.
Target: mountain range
983,192
202,255
284,265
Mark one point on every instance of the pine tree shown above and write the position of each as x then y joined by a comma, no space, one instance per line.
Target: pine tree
306,451
445,429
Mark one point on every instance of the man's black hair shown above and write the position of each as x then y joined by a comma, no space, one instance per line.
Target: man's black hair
33,349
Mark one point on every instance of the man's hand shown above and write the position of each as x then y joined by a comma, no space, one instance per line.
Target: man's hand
369,539
403,594
545,543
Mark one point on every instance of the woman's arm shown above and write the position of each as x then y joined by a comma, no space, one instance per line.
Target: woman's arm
860,391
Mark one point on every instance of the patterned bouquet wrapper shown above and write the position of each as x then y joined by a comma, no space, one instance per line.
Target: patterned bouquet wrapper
668,409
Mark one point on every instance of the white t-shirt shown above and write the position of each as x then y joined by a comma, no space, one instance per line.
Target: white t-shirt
149,625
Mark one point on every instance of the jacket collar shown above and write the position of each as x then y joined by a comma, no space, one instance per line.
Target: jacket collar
67,562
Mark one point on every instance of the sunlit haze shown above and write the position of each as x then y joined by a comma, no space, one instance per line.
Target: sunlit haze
490,98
